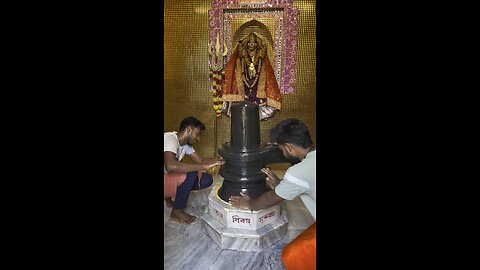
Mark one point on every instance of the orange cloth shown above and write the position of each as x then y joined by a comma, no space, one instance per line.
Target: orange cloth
233,87
300,254
172,180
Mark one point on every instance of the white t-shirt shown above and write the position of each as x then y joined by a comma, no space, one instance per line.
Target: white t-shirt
171,144
301,180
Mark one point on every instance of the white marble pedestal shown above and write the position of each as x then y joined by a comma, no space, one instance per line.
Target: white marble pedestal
244,230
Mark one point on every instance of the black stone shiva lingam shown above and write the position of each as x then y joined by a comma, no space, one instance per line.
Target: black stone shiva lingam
245,155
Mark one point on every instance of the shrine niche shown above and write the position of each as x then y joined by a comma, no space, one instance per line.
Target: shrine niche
252,53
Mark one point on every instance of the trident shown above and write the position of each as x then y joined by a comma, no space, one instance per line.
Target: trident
215,59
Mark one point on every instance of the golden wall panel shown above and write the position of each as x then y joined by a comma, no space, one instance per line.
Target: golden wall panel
186,80
186,73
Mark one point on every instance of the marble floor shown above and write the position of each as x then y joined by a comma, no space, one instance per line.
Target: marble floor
189,247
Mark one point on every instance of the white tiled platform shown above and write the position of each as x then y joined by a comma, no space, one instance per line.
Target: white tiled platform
188,247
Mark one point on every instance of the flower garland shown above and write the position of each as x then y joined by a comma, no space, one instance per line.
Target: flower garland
246,76
216,78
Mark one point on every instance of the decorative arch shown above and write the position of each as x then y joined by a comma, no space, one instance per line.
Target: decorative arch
261,30
281,33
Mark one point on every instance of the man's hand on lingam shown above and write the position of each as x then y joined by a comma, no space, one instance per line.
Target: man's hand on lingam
213,163
214,168
219,161
272,178
242,202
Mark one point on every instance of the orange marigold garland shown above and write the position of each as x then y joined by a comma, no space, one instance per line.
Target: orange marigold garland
216,78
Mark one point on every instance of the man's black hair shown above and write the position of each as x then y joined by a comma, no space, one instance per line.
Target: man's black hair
191,121
292,131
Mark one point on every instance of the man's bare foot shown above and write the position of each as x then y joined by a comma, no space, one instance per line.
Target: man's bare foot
179,216
169,202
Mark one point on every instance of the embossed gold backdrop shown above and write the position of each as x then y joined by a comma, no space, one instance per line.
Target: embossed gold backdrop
186,73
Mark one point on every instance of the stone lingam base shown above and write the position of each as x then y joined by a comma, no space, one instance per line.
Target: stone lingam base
243,230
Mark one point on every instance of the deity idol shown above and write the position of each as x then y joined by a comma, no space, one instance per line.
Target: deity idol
249,76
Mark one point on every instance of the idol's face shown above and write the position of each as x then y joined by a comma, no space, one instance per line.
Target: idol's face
252,44
193,136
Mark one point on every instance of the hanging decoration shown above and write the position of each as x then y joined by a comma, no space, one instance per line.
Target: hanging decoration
217,74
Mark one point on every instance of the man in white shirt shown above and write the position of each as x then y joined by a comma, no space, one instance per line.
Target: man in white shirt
181,178
293,138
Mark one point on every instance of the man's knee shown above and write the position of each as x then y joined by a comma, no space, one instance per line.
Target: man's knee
207,180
